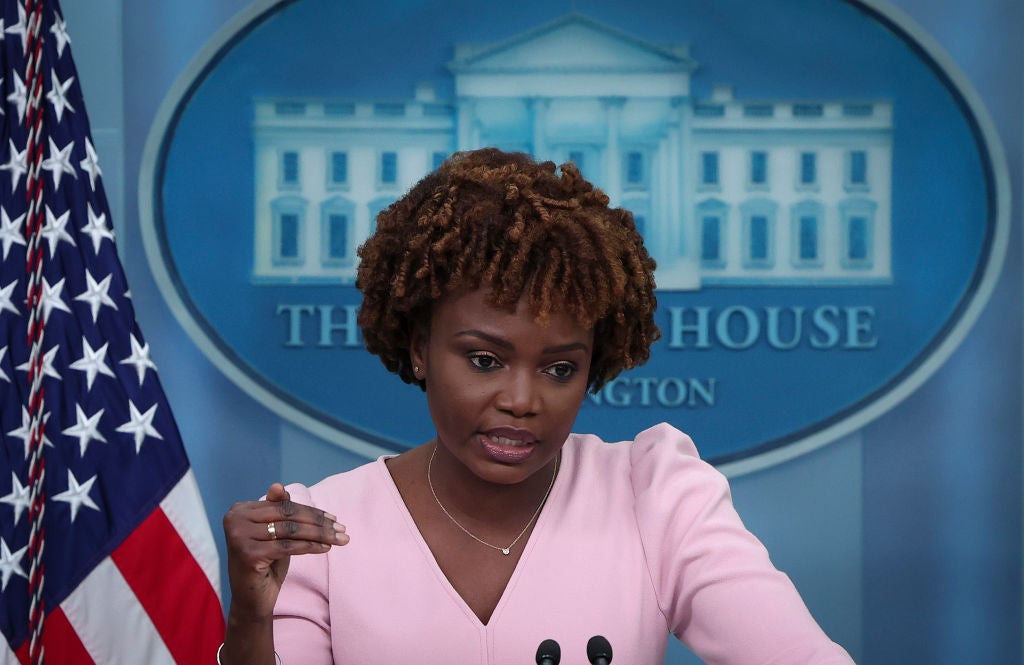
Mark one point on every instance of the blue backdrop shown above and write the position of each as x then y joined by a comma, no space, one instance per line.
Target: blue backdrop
905,537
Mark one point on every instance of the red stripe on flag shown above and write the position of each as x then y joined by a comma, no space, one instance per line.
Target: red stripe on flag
173,589
60,642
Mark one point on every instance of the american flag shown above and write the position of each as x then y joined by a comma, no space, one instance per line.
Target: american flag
106,555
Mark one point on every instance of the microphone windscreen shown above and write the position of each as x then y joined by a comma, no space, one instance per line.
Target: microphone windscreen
599,650
549,653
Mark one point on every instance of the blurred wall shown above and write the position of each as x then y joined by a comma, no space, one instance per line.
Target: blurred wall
905,537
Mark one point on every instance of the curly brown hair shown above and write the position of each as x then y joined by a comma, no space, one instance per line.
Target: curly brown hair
505,222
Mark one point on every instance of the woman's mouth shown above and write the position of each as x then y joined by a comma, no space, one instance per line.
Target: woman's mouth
505,441
506,449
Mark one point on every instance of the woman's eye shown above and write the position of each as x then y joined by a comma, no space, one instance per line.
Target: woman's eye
483,361
561,371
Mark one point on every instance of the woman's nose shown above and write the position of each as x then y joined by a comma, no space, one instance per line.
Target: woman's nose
519,394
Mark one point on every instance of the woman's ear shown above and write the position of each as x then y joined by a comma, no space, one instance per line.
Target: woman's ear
418,339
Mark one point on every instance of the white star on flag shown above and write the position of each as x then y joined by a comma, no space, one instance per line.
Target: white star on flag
141,425
92,362
96,294
10,563
97,229
52,298
10,231
139,358
48,367
59,29
86,428
3,374
19,497
25,431
20,27
56,230
17,164
58,94
77,495
59,161
91,163
5,298
19,97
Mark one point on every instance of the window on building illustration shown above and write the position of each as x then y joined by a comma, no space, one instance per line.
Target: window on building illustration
709,169
288,242
339,168
805,234
858,110
288,247
289,168
758,168
808,169
576,157
808,110
857,247
807,240
336,242
288,219
758,110
337,232
857,235
437,159
758,217
759,244
635,175
857,174
712,215
389,167
711,239
707,110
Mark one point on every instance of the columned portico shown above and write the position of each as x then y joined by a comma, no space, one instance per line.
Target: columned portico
538,108
613,151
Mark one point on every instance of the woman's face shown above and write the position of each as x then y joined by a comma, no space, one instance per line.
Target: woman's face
503,390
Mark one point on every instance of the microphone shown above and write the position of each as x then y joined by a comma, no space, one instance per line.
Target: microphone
599,651
549,653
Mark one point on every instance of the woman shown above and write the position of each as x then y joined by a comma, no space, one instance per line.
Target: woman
506,290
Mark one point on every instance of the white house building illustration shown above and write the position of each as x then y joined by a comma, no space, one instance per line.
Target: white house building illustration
726,191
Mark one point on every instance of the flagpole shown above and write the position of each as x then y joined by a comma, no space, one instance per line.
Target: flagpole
36,327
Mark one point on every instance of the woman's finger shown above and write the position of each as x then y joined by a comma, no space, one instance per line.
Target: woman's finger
271,511
330,532
277,492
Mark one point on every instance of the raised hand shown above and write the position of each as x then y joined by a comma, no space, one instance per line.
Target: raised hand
261,538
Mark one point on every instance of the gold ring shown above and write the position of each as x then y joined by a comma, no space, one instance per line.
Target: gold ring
272,530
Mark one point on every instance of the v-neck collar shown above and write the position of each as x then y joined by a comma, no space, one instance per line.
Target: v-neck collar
535,538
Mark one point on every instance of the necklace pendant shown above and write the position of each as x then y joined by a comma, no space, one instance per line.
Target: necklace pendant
506,551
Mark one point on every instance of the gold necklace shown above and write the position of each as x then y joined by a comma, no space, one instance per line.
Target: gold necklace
504,550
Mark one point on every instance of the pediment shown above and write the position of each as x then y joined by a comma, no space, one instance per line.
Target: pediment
574,43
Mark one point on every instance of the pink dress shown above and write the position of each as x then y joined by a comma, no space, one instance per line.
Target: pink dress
637,540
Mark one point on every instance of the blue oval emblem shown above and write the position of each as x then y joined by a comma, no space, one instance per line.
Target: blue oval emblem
824,194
